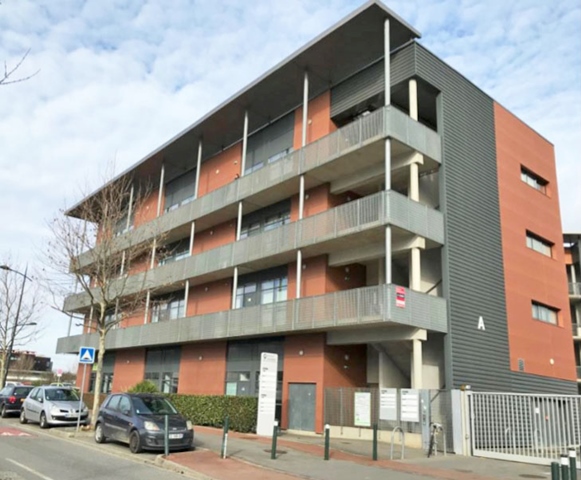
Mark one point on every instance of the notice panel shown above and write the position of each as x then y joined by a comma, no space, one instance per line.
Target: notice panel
362,409
267,393
388,404
410,405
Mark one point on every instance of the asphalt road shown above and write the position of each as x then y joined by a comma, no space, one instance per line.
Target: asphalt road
28,453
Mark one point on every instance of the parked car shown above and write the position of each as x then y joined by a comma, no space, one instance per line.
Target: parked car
138,419
11,398
53,406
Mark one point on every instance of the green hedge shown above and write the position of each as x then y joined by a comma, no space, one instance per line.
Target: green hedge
210,410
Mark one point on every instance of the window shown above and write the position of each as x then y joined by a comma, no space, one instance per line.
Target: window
169,307
538,244
270,144
122,226
271,288
533,180
265,219
162,368
544,314
175,251
180,191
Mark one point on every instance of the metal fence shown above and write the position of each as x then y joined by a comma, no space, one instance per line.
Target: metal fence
524,427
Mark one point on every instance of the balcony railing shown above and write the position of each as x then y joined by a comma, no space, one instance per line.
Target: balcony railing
574,289
360,306
385,122
367,213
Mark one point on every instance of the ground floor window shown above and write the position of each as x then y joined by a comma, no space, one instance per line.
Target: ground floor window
162,366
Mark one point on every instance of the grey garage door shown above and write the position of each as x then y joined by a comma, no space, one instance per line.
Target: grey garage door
301,406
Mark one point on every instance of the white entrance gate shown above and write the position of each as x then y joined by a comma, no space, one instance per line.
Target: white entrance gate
524,427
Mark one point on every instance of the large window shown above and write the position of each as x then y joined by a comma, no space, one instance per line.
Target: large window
262,289
162,367
533,180
539,244
122,226
168,307
544,313
265,219
107,374
270,144
175,251
180,190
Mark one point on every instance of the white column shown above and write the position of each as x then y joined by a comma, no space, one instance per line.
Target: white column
186,296
147,301
415,269
414,184
388,254
198,168
161,188
413,98
239,221
301,196
305,108
153,250
90,320
122,269
192,234
244,144
417,363
234,287
573,275
387,61
299,273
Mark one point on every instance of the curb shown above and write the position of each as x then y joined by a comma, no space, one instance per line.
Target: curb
175,467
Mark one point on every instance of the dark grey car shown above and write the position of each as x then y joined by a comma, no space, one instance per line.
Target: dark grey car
138,419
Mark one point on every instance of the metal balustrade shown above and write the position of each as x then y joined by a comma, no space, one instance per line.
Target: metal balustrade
387,207
384,122
360,306
575,289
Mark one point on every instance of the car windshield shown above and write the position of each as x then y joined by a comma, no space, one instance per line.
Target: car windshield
153,406
22,390
60,394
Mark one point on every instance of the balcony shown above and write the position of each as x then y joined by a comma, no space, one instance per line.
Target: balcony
574,289
576,331
579,374
373,305
276,181
360,221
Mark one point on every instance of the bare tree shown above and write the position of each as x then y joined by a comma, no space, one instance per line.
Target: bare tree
91,246
8,76
15,330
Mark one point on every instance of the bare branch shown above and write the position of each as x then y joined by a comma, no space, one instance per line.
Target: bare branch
6,78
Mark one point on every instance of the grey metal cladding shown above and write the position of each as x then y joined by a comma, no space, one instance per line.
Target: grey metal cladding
523,382
475,273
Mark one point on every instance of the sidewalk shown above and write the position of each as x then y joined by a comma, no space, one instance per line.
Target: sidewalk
302,457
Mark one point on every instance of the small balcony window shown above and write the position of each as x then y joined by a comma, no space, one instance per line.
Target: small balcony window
539,244
168,308
533,180
544,313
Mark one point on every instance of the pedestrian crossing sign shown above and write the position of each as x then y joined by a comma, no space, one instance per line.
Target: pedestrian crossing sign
87,355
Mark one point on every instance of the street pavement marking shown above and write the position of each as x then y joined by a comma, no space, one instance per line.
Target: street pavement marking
28,469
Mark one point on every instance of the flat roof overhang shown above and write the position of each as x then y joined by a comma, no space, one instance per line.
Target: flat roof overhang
348,46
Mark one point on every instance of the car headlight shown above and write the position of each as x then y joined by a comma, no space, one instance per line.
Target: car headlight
150,426
84,409
54,410
189,425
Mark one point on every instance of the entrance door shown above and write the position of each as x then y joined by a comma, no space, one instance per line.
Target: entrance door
301,406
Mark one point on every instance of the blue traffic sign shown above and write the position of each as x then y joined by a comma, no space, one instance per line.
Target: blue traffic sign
87,355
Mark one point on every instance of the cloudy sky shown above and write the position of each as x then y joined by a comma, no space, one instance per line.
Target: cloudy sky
117,78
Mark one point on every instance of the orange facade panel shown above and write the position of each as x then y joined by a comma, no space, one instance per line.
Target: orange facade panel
203,369
220,170
530,275
129,369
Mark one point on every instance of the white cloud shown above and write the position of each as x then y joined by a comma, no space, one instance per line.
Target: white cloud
118,78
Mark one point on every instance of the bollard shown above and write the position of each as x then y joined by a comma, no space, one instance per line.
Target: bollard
564,467
225,437
555,473
274,435
327,432
572,463
166,436
374,453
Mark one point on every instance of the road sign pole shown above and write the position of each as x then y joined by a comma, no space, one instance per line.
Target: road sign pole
81,399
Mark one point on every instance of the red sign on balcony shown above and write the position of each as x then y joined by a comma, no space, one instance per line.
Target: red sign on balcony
400,297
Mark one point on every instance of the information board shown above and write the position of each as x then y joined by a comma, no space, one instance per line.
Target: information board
410,405
267,394
362,409
388,404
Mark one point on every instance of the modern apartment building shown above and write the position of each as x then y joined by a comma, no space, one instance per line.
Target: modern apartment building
572,243
365,212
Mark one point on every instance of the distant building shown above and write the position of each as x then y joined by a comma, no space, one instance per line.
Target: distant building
27,367
572,243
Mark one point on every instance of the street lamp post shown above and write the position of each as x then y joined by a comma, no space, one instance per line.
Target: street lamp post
16,318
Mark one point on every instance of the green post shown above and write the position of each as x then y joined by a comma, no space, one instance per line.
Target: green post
274,435
555,473
564,467
166,435
327,433
374,454
572,463
225,437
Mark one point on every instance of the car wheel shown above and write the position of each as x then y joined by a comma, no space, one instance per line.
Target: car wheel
99,436
3,412
23,418
43,421
135,442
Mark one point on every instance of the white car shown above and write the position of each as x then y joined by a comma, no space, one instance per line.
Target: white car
54,406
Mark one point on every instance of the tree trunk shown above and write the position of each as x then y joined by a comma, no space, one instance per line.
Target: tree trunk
98,376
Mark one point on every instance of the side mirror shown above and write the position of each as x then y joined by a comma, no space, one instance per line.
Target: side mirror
41,400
